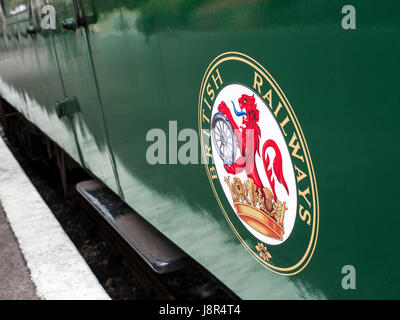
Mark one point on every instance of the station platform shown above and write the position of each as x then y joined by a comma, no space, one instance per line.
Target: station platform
37,259
15,280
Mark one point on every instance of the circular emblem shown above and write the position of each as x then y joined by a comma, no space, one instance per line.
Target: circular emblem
258,163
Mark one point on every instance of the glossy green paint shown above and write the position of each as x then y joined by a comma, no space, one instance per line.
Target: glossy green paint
77,72
141,65
31,80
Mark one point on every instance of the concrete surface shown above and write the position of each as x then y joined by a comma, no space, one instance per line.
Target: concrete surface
15,280
57,269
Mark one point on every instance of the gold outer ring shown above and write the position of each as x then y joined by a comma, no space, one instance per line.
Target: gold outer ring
302,263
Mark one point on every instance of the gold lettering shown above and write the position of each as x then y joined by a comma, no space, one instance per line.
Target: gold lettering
283,123
208,152
300,174
213,173
296,147
304,195
268,96
210,92
205,117
277,109
304,215
218,77
258,82
208,105
206,132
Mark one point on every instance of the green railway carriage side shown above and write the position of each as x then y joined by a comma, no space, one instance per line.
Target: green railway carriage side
30,78
139,64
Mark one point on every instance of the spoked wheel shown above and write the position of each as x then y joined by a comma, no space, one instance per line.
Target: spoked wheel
224,138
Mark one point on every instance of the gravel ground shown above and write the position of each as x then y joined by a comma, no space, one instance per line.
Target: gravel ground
104,259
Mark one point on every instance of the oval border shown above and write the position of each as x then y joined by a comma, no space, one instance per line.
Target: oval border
303,262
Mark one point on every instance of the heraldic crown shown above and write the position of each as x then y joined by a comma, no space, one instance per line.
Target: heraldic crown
260,212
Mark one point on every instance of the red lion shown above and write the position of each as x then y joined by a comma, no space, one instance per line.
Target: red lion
248,141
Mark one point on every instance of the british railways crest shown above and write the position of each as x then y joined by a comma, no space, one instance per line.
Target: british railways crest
258,163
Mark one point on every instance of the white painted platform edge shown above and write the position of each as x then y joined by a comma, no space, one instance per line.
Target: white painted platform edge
57,269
